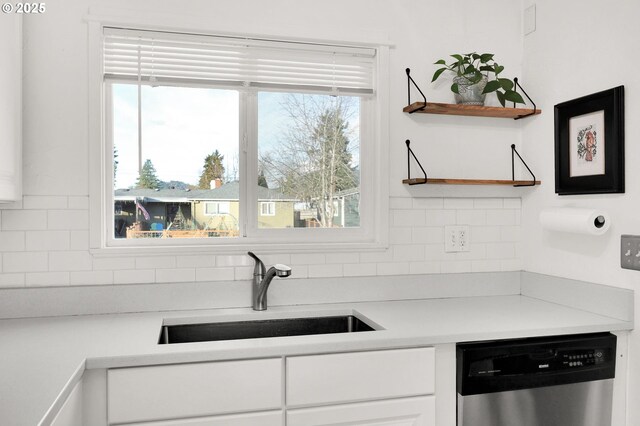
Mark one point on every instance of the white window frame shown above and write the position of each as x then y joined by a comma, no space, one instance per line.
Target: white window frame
271,208
374,185
218,204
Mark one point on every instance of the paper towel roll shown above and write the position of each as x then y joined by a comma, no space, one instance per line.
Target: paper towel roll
580,221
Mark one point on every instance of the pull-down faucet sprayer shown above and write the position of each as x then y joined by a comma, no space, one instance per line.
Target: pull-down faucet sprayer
261,280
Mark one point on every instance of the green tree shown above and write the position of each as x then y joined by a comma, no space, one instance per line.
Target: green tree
148,178
262,179
212,169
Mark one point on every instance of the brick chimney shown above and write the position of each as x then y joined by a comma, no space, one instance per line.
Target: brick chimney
216,183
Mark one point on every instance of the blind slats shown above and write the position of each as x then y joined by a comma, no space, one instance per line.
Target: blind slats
266,65
178,58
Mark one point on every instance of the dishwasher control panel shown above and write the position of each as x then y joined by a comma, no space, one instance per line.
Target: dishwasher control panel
541,360
586,357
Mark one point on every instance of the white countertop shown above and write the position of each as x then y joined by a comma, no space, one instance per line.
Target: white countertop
39,356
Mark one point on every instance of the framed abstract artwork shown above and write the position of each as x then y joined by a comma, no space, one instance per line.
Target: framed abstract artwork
589,144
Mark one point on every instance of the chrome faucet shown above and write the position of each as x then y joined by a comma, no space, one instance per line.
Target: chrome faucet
261,280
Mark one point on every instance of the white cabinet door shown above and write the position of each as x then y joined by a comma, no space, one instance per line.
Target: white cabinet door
359,376
251,419
179,391
397,412
11,107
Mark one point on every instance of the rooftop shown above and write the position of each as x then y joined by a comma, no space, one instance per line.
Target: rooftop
227,192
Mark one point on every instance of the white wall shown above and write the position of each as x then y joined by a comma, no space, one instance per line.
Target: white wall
44,239
582,47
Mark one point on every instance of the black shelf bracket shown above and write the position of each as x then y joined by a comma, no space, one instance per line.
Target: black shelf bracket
513,173
514,152
515,81
409,82
409,155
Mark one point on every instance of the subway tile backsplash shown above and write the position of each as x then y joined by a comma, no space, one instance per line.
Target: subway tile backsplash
46,243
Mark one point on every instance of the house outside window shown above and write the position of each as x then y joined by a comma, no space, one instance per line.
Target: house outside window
189,132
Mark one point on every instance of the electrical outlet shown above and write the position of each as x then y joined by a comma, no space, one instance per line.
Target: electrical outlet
630,252
456,238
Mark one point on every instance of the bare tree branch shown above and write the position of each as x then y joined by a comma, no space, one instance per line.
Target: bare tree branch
314,160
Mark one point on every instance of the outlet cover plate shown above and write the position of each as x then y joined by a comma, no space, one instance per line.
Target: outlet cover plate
630,252
456,238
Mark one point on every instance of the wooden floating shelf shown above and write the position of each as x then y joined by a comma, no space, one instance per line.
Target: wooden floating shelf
468,182
468,110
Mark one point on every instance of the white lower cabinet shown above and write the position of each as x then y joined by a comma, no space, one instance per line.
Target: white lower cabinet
382,388
165,392
396,412
356,388
359,376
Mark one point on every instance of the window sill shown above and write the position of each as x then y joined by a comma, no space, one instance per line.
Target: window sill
263,247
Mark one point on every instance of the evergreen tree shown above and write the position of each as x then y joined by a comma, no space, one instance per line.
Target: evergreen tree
332,166
212,169
335,158
262,180
148,178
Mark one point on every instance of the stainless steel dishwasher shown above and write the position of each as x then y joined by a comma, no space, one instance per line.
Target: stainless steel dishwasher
546,381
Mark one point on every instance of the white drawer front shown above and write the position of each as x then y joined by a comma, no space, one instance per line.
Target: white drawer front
250,419
192,390
396,412
322,379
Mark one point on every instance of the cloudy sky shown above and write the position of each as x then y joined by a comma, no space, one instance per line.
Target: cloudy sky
181,126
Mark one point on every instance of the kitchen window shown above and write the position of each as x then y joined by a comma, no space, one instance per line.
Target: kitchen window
277,129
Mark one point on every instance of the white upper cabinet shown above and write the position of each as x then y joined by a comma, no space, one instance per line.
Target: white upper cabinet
11,108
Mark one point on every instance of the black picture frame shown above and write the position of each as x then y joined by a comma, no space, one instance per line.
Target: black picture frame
582,165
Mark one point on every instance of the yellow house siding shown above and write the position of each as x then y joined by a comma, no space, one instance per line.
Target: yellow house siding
283,217
223,221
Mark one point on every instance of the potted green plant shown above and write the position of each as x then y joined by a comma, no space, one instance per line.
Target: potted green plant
471,81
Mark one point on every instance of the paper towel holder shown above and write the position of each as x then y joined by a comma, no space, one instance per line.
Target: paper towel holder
576,220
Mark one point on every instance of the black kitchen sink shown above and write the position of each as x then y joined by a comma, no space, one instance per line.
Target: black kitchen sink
256,329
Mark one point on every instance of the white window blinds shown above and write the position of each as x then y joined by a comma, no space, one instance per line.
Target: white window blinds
151,57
